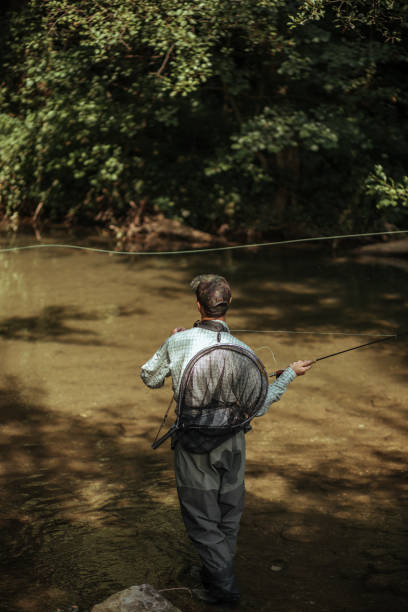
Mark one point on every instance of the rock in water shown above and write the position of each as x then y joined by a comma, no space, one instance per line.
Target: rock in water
139,598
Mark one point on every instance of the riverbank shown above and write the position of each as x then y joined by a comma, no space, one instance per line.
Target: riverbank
152,233
158,233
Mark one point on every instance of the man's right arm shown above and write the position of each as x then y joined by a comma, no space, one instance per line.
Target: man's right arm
278,388
154,371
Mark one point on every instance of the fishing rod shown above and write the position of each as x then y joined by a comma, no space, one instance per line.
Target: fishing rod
353,348
158,441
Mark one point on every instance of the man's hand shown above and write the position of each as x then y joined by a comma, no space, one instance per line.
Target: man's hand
301,367
177,329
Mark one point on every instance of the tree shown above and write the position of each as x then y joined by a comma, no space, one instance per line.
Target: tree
373,20
214,112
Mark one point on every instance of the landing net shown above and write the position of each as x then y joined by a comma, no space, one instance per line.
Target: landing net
221,390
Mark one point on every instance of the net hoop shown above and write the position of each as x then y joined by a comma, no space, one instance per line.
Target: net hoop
185,380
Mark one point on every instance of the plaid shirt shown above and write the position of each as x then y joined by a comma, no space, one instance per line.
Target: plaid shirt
173,356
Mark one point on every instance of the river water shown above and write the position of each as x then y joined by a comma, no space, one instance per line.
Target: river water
88,508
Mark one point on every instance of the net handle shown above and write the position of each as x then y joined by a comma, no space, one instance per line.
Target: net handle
159,441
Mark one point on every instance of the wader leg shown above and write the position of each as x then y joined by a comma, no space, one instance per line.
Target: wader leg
211,492
232,506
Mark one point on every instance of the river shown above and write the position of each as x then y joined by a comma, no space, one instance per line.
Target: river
88,508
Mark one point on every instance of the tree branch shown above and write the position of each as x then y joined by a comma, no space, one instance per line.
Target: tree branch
166,59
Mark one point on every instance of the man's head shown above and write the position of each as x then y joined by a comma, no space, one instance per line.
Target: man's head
213,294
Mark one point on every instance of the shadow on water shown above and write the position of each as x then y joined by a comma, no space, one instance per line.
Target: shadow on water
81,516
297,288
327,558
90,509
315,292
50,325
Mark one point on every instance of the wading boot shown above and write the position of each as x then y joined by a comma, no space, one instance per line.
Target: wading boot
220,586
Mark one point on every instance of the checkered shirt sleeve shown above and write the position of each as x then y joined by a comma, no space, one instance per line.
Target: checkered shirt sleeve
175,353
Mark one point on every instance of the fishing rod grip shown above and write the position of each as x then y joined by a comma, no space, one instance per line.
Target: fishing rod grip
160,441
277,373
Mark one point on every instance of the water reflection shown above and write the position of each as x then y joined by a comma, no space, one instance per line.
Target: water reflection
90,509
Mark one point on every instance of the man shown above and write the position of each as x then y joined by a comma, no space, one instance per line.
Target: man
210,482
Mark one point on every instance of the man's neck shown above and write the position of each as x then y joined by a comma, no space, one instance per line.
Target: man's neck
220,318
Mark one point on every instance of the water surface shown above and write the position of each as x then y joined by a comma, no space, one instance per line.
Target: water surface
89,509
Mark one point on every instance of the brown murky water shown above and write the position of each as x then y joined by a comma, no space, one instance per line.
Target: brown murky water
89,509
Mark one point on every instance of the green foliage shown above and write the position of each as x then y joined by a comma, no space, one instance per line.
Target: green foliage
386,190
385,17
212,111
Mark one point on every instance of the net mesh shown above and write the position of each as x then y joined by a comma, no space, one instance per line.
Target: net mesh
221,390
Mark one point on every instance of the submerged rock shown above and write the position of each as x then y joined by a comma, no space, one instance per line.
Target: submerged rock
138,598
